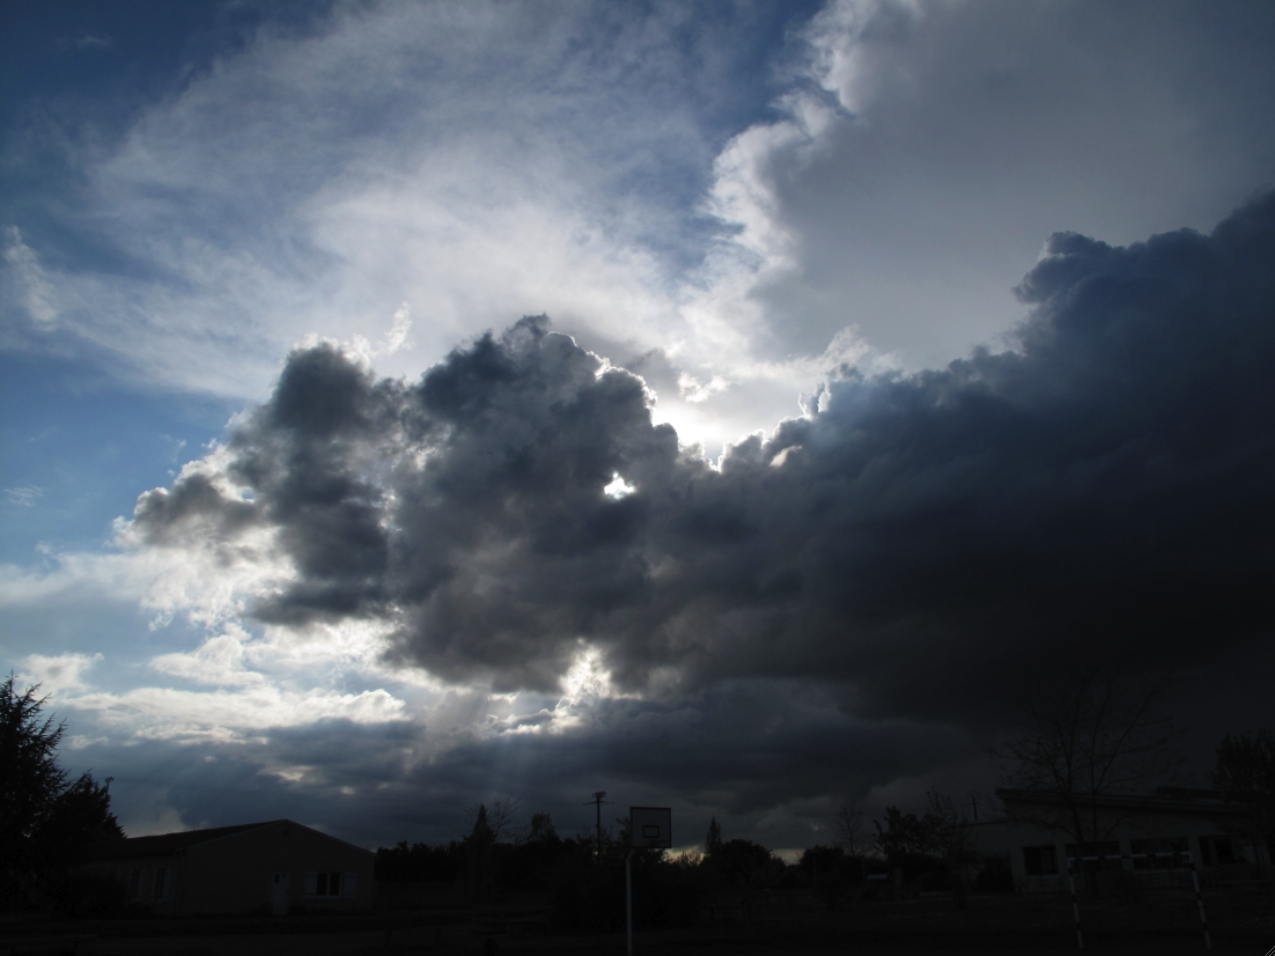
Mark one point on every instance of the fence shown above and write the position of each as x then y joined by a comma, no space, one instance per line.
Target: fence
1175,856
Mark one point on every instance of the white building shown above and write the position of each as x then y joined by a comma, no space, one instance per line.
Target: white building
1146,835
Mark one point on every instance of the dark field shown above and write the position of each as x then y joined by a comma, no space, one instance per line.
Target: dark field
788,922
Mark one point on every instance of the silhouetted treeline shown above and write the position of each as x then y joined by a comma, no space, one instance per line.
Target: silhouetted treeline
583,879
420,862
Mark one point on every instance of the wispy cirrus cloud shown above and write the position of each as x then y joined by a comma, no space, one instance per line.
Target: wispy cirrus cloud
23,496
85,41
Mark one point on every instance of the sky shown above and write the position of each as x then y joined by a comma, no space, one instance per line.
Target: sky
737,407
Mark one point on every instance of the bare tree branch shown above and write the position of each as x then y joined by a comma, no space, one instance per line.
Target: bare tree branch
504,816
1100,733
851,835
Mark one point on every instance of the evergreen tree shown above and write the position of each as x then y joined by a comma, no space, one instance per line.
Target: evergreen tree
478,853
45,822
713,842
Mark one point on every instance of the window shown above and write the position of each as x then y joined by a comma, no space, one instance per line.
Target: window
329,884
136,880
1218,851
1158,845
1107,850
161,884
1040,860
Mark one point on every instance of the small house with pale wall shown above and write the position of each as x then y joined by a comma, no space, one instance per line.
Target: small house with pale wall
1150,837
275,867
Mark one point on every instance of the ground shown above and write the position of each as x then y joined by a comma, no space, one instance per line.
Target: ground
793,924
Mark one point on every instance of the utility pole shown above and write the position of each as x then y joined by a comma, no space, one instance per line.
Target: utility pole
597,801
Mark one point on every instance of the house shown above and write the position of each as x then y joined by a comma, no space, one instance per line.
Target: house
273,867
1149,836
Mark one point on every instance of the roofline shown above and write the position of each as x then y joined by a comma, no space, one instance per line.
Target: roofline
1212,807
329,836
134,843
247,828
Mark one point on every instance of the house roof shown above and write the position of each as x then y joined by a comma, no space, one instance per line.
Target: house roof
1165,799
169,844
166,844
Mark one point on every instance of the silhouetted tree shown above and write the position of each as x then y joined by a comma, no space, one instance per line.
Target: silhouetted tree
830,872
29,771
478,857
45,822
744,864
906,841
504,817
1246,776
952,840
542,829
848,820
713,840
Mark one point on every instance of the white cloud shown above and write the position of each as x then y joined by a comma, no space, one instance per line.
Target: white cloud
397,337
83,742
855,46
31,289
246,700
82,575
908,191
161,713
59,673
194,581
219,661
156,820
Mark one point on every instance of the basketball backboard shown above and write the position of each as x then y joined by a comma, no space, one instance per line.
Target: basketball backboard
652,826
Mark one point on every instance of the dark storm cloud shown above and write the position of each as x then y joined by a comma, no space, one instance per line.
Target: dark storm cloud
739,744
738,749
919,540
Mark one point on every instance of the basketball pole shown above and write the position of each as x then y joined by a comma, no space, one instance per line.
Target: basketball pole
649,828
628,895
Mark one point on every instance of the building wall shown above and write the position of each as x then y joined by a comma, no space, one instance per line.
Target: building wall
1160,827
236,874
153,881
